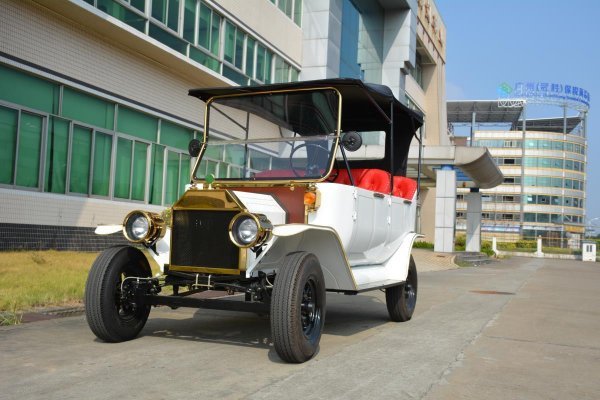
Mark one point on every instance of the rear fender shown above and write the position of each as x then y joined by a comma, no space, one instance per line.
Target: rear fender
397,265
321,241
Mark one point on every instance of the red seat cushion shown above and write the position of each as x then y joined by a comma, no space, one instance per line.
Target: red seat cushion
404,187
376,180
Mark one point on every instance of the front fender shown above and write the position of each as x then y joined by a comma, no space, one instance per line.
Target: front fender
321,241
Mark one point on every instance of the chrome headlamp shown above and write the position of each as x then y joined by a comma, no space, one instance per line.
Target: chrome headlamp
143,227
249,230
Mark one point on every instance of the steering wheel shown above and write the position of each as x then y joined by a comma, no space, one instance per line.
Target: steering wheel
312,166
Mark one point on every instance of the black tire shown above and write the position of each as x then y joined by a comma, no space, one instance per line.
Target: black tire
402,299
107,316
298,307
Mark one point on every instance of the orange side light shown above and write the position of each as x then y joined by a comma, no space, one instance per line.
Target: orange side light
310,198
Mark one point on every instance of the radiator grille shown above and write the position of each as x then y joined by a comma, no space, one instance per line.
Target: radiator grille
201,239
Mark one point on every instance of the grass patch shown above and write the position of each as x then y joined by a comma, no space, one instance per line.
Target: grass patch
31,279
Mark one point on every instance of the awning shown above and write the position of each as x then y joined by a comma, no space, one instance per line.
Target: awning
476,162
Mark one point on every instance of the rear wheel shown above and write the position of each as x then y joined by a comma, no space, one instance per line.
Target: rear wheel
298,307
402,299
110,308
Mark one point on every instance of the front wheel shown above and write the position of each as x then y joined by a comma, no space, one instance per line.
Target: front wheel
298,307
110,309
402,299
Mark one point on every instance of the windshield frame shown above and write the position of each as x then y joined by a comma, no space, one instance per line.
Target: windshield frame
266,181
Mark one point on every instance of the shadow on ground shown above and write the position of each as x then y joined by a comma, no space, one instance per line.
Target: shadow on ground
345,316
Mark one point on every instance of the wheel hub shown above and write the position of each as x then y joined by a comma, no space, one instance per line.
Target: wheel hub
308,308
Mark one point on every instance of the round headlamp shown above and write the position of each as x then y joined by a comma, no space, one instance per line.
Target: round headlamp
140,226
248,230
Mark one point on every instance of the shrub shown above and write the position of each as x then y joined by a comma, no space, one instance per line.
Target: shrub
423,245
526,244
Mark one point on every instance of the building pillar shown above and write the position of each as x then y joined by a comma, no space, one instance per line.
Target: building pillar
445,209
474,220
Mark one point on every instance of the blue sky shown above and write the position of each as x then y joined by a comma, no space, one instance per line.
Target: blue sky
491,42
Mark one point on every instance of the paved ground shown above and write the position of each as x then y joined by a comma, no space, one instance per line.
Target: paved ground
518,329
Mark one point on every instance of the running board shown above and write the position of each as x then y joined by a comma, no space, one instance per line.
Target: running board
367,287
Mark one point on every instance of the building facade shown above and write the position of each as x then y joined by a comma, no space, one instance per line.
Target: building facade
543,193
94,113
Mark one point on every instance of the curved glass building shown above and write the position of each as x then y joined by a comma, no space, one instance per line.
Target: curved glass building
544,166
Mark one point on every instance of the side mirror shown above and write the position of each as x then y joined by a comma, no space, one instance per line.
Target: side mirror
352,141
194,147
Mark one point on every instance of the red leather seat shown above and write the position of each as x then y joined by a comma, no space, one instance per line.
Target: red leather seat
376,180
404,187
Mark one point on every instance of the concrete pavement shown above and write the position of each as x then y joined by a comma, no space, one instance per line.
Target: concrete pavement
520,328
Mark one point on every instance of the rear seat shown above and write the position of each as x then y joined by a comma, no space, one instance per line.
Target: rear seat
378,180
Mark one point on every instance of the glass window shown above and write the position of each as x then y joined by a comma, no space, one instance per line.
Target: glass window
139,4
189,21
239,49
529,217
204,59
250,44
281,70
137,124
569,164
85,108
102,155
544,181
172,183
294,75
215,33
209,26
156,174
229,52
175,135
167,38
543,218
8,138
173,14
28,153
81,153
204,26
20,88
159,10
167,12
113,8
268,66
185,173
298,12
123,168
56,155
260,63
140,161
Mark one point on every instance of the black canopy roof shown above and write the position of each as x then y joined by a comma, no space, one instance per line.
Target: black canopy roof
360,101
365,107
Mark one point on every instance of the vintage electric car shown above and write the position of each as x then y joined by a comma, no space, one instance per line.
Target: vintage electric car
297,189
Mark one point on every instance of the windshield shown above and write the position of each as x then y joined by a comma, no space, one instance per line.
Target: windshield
275,136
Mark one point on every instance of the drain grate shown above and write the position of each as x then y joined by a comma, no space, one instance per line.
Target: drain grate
491,292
